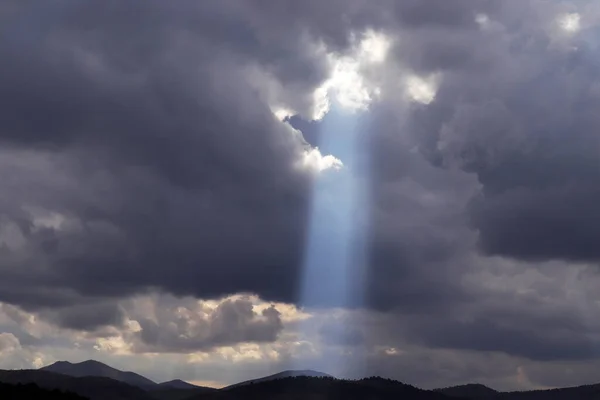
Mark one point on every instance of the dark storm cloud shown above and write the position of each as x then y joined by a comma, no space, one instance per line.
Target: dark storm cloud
139,152
543,313
487,335
134,126
86,317
181,329
162,165
525,123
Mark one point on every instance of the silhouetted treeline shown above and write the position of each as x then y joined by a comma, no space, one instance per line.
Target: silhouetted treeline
34,392
44,385
585,392
307,388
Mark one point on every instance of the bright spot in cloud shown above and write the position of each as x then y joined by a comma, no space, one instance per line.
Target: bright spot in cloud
248,352
212,384
38,361
482,20
8,343
570,23
321,102
315,161
374,47
347,85
281,113
311,159
422,90
391,351
115,345
52,220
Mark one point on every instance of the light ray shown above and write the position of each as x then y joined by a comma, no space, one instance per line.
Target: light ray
333,269
336,207
334,259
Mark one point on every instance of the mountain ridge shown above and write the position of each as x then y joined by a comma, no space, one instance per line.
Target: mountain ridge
469,391
176,384
290,373
330,388
91,387
96,368
288,384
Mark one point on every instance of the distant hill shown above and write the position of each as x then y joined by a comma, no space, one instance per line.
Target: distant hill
470,391
96,381
92,387
481,392
32,391
178,390
96,368
176,384
326,388
586,392
180,394
281,375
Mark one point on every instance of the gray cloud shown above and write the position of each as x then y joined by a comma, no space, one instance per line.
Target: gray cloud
91,316
140,154
532,144
158,168
183,328
164,168
487,335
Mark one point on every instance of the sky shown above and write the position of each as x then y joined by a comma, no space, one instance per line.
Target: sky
219,190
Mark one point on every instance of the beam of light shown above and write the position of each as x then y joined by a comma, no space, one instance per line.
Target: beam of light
334,259
333,268
336,217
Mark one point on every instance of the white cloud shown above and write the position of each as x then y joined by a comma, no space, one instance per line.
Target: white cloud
482,20
114,345
374,47
8,343
570,22
51,220
314,161
13,354
281,113
422,89
347,85
284,102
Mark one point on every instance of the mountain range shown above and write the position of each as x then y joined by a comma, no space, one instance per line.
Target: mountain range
97,381
95,368
281,375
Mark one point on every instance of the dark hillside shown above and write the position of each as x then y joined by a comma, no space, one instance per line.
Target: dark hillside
92,387
470,391
96,368
308,388
34,392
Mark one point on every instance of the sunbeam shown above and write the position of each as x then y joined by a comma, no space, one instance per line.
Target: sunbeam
333,269
331,266
334,260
